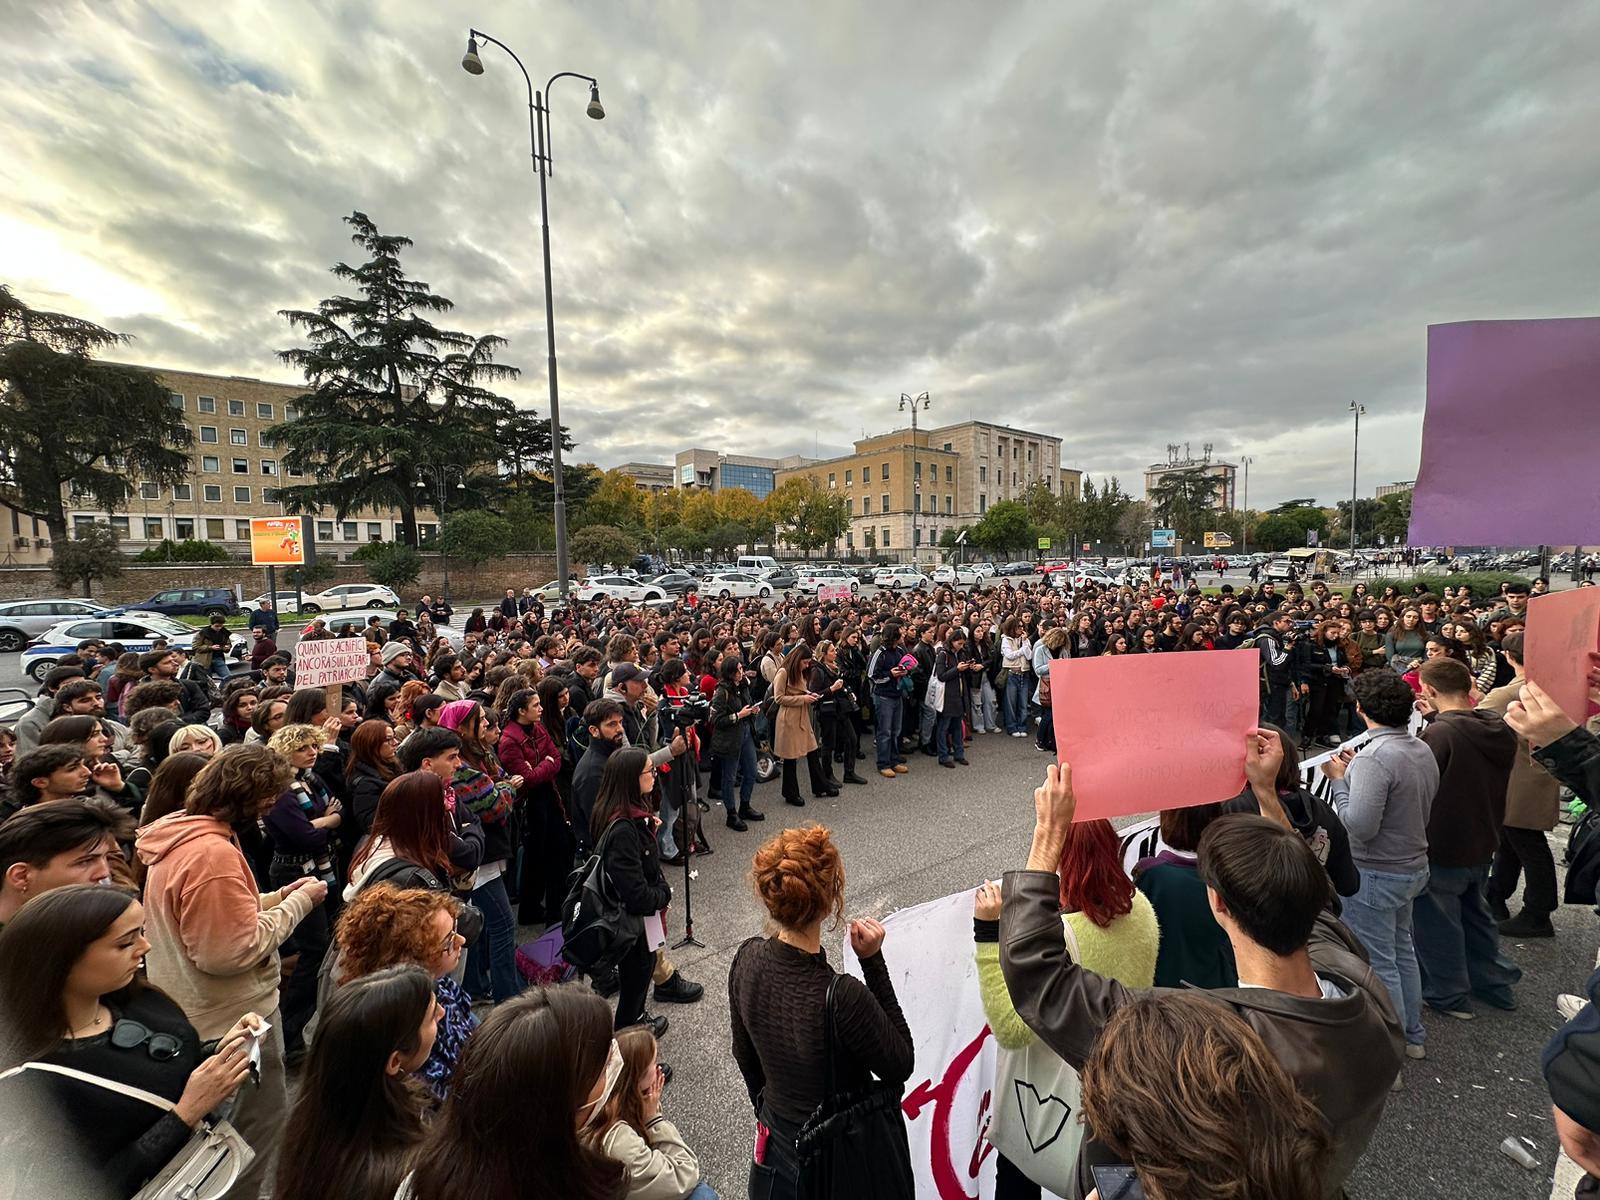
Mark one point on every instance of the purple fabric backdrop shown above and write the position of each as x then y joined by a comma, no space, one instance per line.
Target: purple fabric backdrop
1511,436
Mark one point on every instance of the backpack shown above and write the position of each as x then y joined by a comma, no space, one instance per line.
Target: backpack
403,873
1583,861
596,929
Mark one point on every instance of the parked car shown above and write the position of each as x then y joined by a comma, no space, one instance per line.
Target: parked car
737,585
676,583
899,577
1279,569
618,587
550,593
984,569
187,602
783,579
865,572
1089,577
23,620
809,579
350,595
956,575
282,602
136,634
1014,568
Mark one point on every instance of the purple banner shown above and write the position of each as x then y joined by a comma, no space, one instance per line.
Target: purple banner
1511,436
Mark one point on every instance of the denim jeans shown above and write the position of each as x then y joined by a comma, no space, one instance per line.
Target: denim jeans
492,959
985,707
1016,702
743,762
1379,914
1458,943
887,713
947,738
669,815
928,718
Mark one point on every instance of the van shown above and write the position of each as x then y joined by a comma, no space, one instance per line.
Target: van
760,563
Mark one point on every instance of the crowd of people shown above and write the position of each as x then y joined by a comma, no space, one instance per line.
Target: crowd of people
212,881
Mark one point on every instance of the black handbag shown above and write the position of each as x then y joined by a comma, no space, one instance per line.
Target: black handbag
596,929
855,1143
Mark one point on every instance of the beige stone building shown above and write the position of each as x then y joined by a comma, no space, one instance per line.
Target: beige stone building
1002,463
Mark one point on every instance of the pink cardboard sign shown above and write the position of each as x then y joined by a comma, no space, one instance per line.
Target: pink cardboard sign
1151,731
1563,628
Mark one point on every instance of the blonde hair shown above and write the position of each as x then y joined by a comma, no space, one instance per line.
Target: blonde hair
202,733
293,738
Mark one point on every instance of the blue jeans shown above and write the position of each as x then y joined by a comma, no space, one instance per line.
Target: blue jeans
887,715
669,814
492,959
1016,702
947,739
702,1191
1458,943
1379,914
744,762
985,706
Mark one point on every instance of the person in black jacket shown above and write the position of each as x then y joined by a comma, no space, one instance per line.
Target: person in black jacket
951,667
621,832
733,741
833,714
606,737
372,764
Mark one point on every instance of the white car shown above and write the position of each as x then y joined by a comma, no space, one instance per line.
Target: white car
899,577
283,602
985,570
350,595
959,575
1089,577
23,620
617,587
809,579
1279,570
135,634
736,585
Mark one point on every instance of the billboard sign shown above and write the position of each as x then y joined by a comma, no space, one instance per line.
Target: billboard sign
1218,541
1163,539
278,541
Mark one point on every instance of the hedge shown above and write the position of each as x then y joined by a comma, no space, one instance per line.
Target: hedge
1482,583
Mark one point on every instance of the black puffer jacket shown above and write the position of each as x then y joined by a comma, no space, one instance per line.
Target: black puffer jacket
634,866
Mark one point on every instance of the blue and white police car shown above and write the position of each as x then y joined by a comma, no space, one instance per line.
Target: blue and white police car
135,633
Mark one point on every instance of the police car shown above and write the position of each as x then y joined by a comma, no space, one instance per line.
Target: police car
136,634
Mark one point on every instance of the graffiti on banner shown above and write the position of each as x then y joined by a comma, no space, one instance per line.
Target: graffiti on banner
330,661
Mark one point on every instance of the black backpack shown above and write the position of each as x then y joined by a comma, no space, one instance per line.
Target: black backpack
1583,861
596,929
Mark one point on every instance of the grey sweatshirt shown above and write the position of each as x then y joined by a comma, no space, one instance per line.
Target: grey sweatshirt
1384,801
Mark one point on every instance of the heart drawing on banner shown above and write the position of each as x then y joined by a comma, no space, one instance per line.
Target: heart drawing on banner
1044,1118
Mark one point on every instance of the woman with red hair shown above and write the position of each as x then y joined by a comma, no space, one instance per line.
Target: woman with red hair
1110,928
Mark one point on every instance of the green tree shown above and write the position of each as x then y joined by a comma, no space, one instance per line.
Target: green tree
531,525
391,392
599,544
390,564
523,440
1184,501
92,554
616,501
70,423
808,516
725,537
313,576
1286,529
474,537
1004,528
187,551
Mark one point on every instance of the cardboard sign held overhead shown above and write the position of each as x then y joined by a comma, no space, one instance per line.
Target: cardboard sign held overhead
330,662
1152,731
1563,630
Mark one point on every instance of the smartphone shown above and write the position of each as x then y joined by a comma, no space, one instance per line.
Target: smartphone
1117,1181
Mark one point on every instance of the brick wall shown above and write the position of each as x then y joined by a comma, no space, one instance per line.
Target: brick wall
471,584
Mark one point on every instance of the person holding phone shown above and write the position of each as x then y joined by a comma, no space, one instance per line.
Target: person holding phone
733,740
794,737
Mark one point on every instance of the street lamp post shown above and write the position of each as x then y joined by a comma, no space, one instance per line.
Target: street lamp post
1355,453
539,142
439,472
914,402
1244,521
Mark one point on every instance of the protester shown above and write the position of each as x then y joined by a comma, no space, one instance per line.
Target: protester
886,674
527,749
419,836
1195,950
794,738
733,742
632,1129
371,767
57,843
777,988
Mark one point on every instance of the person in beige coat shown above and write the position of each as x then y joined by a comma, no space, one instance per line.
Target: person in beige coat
632,1130
794,736
1533,806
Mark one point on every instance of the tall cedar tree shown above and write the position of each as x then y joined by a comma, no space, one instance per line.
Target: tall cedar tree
70,422
393,397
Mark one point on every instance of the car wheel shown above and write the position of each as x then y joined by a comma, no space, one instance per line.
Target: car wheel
725,594
12,639
216,612
39,667
765,592
654,596
310,608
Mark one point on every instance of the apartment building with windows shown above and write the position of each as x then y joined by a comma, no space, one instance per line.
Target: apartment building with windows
235,473
712,470
649,477
1002,463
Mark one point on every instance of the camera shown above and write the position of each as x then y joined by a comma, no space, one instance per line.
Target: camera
685,712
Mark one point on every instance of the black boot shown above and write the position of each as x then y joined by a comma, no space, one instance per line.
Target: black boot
852,777
736,824
748,813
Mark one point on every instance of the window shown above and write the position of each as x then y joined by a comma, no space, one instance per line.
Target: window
176,400
947,445
1030,453
183,528
211,463
81,523
949,506
269,495
983,503
886,472
154,531
849,476
269,466
264,411
206,404
212,492
1013,479
183,491
120,524
917,537
290,412
1014,449
208,434
885,499
949,473
236,408
916,469
885,541
241,495
265,442
215,527
983,474
427,531
849,505
833,480
347,531
324,531
374,531
849,539
866,505
296,473
241,466
238,437
241,530
916,502
149,491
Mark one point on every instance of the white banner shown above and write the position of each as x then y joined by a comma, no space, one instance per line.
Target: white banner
329,661
949,1096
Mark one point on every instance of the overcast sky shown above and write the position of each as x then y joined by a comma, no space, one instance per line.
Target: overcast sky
1127,225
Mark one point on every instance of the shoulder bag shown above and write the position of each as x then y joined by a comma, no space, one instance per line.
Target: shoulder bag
596,929
855,1143
206,1166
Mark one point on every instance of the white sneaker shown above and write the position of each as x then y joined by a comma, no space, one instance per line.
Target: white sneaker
1569,1006
1416,1050
1019,733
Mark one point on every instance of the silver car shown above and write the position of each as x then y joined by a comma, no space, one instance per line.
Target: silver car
23,620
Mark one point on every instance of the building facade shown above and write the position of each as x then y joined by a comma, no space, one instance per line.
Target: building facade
712,470
649,477
1002,463
1224,474
1394,489
235,473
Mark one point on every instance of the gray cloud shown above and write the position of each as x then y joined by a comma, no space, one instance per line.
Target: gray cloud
1216,222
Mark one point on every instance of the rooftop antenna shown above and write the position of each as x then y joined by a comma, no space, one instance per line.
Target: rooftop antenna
1208,451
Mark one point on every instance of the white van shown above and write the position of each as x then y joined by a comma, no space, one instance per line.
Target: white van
759,563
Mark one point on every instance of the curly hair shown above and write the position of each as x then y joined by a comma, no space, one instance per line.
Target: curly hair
291,739
237,782
385,925
799,876
1175,1070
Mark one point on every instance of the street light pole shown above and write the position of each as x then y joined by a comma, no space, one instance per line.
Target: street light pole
1355,454
916,484
539,139
1244,522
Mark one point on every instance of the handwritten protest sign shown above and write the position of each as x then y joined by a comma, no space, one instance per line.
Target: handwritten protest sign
330,662
1563,629
1510,400
833,591
1147,731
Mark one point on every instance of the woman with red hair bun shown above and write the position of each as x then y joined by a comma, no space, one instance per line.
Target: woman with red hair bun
1110,927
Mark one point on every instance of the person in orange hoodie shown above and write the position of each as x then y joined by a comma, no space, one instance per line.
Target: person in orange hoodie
214,938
